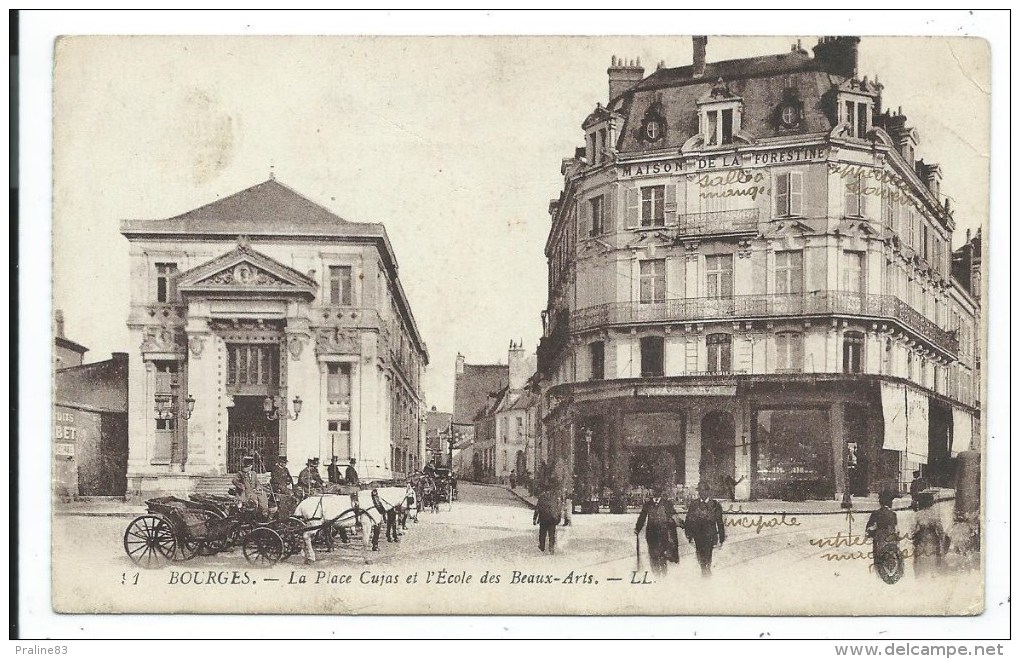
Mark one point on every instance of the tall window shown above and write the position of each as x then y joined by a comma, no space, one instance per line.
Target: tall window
719,271
166,282
790,272
718,127
338,384
341,291
719,351
653,281
167,388
652,356
789,352
653,206
856,201
853,272
853,352
856,114
789,194
598,215
252,364
597,351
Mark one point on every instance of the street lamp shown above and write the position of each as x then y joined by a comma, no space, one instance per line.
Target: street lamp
166,409
274,411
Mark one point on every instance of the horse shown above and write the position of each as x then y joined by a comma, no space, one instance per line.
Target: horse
329,511
393,503
367,508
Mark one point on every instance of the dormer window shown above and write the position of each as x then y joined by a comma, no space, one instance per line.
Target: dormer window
720,115
855,102
653,125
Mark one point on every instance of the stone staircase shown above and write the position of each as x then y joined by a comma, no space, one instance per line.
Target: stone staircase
214,485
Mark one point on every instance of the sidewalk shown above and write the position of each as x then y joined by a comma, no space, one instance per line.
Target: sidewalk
772,506
105,507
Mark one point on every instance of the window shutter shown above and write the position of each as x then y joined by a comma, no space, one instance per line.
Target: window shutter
584,220
609,212
796,193
862,199
782,195
633,207
851,208
669,207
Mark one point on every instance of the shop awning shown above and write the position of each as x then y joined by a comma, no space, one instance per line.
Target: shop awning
917,426
963,434
894,411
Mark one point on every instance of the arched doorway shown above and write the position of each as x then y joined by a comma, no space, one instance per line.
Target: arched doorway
718,438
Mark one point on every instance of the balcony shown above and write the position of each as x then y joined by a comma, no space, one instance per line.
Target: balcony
765,306
718,222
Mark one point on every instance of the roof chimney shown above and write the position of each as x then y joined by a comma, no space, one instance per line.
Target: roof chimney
700,44
460,364
58,319
837,55
623,75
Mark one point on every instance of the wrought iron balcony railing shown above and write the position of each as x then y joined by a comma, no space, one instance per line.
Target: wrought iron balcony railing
728,221
764,306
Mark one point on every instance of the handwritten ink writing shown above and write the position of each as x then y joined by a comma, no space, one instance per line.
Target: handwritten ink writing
761,522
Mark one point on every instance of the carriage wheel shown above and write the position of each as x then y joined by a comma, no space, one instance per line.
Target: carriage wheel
889,563
186,550
150,541
263,547
292,532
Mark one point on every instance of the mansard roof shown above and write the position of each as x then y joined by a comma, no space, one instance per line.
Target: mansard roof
763,83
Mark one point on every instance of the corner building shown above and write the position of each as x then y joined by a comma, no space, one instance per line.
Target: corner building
750,285
243,306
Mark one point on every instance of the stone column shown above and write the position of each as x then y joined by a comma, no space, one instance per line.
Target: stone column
205,382
837,430
692,450
302,438
742,457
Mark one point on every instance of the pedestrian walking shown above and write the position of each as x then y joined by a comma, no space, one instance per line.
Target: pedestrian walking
547,516
658,518
881,528
513,479
704,527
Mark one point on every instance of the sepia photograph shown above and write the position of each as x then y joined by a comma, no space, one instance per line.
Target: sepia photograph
520,325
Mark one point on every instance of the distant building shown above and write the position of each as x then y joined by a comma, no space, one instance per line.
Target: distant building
263,324
65,351
90,441
474,386
750,285
438,433
505,428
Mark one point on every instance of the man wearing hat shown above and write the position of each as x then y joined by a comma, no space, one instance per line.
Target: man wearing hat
280,479
351,475
247,485
309,477
660,533
704,526
333,471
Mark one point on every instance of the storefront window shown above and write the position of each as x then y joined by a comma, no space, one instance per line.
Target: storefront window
792,455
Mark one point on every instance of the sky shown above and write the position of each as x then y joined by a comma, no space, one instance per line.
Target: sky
454,143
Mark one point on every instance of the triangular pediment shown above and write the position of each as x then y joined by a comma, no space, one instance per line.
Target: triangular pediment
245,270
789,228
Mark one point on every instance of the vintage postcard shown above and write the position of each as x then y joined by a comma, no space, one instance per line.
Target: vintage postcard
520,325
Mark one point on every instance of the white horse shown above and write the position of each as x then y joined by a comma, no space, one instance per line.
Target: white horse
365,511
338,511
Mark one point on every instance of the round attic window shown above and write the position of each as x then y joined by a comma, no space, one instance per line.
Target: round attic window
790,116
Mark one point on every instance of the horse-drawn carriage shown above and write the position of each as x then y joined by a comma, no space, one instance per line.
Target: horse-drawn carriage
175,529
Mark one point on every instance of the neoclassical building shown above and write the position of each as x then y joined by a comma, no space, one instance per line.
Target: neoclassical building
263,324
750,285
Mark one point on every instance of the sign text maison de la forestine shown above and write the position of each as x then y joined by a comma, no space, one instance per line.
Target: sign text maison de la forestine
690,164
